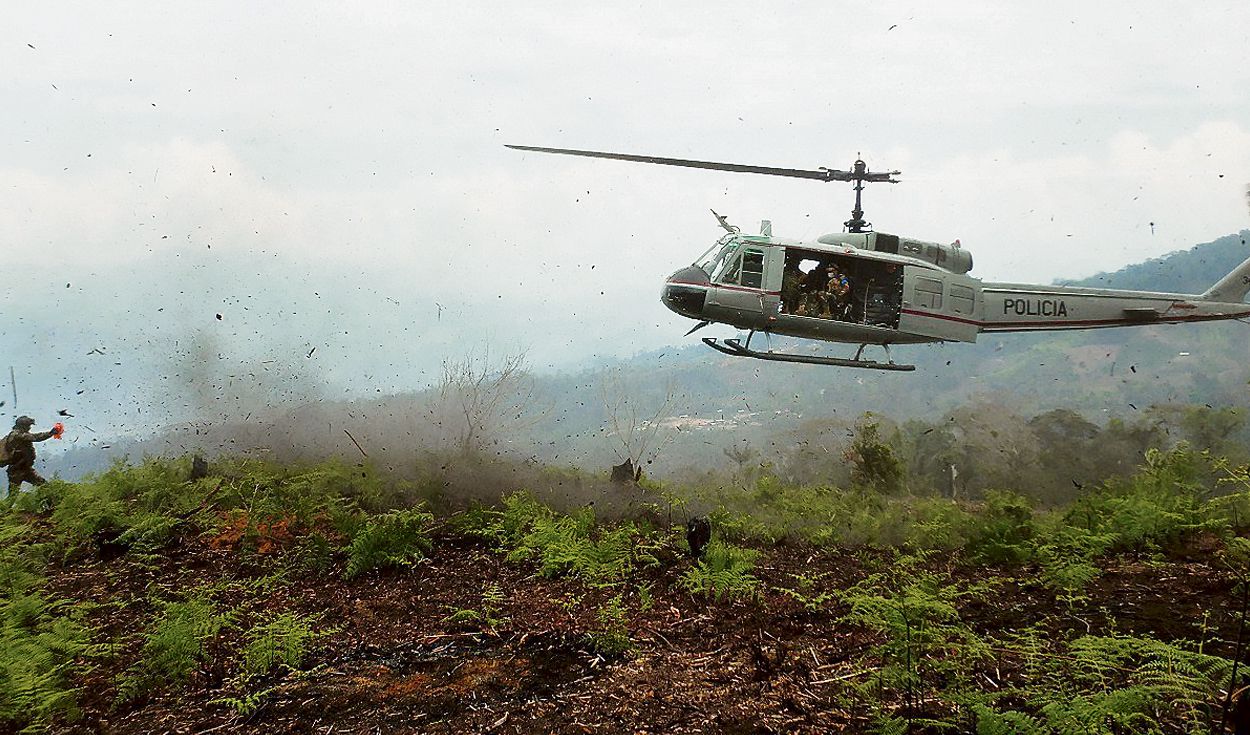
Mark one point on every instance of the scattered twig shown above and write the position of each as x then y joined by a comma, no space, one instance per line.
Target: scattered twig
362,449
660,635
844,677
1241,630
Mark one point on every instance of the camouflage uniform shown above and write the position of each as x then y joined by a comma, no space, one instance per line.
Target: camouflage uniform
811,286
20,443
791,288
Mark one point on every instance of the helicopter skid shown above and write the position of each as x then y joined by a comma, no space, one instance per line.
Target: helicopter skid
735,348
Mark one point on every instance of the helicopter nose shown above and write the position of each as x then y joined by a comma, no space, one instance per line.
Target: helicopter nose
685,292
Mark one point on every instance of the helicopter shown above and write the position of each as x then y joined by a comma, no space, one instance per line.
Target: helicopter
887,289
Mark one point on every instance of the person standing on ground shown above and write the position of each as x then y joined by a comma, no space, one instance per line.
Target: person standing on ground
19,452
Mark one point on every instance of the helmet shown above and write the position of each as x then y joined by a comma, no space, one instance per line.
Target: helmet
24,422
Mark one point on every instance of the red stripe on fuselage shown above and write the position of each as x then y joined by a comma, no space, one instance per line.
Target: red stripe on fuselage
1079,323
731,288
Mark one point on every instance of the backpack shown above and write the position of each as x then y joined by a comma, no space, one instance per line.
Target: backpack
5,457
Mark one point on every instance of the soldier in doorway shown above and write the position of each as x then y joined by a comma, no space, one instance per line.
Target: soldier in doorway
837,293
811,287
791,286
18,453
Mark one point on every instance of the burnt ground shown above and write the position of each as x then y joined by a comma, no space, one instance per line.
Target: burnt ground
393,658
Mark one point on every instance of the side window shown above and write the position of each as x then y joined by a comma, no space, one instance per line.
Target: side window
753,268
929,293
963,299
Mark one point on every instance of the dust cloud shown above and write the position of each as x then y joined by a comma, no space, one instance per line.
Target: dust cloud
462,441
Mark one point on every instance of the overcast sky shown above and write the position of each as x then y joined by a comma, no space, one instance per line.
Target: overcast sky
169,161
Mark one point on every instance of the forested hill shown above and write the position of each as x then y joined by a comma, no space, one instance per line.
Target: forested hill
1186,271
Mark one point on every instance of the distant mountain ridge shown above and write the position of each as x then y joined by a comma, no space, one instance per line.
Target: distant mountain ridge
1185,271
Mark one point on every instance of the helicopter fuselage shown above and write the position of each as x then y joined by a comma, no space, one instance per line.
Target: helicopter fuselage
904,291
870,287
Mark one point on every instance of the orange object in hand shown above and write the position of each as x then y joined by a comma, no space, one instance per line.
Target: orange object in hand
57,429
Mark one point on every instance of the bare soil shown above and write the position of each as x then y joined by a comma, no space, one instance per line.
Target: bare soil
394,662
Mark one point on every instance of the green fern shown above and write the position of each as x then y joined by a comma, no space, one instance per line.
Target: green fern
1068,555
280,641
925,643
396,539
1103,713
611,637
568,544
247,703
1105,685
175,647
503,527
1010,722
805,593
20,560
724,571
891,725
41,644
1003,528
489,613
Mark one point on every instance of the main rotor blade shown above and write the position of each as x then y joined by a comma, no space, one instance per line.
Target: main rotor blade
823,174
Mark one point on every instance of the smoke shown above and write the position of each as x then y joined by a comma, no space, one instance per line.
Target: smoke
462,441
214,380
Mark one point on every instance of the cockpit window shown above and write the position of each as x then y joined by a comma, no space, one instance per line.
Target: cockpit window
729,270
746,269
714,259
730,262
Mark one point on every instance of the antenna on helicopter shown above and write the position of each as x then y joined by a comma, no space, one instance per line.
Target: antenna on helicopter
860,174
723,221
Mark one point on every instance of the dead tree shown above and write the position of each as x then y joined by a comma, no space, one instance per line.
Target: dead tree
638,433
479,399
742,455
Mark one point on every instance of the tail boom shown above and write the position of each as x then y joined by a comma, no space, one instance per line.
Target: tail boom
1231,289
1024,308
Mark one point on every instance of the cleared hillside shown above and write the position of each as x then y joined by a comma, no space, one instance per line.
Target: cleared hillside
307,599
